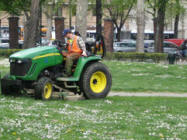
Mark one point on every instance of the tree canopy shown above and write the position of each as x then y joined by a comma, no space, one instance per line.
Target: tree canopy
119,11
15,7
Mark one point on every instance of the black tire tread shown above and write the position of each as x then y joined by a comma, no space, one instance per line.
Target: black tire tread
40,86
97,66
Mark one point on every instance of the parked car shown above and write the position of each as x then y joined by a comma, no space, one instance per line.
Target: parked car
125,46
178,42
45,42
183,48
4,43
147,44
20,42
168,47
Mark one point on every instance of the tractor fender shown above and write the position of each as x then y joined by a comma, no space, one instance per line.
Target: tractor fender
82,63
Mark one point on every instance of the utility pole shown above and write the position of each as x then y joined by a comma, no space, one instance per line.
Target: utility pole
140,26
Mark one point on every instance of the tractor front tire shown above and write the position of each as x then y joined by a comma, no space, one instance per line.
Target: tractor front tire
96,81
44,89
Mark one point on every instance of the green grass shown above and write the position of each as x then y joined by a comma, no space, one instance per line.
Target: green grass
3,70
139,118
145,77
1,58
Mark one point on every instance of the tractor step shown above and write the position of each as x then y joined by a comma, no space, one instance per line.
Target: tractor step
67,79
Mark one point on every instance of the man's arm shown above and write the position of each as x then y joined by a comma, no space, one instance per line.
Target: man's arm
81,45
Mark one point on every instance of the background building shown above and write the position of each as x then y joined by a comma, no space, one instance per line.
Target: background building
129,27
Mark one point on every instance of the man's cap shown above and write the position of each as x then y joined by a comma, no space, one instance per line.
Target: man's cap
66,31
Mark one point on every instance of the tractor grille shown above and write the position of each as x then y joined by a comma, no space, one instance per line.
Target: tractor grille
20,69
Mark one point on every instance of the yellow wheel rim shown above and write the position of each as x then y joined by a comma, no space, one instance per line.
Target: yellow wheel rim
47,90
98,82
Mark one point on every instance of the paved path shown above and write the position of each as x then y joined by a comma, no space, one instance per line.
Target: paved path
139,94
128,94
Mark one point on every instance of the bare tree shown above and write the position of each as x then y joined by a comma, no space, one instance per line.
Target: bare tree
176,25
159,31
81,17
119,11
140,26
31,26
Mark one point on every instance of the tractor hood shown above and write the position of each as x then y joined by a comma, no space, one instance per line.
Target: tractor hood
33,52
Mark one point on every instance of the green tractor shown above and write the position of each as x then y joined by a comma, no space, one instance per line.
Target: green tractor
40,70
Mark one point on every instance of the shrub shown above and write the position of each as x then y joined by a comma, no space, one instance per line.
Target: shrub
8,52
134,56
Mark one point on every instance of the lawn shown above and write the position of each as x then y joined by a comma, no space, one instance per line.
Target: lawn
146,77
131,118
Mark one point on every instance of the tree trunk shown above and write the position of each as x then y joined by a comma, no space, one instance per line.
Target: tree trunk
49,27
81,17
0,27
160,27
140,26
118,35
38,30
49,15
98,17
31,26
59,12
70,14
176,26
183,25
154,26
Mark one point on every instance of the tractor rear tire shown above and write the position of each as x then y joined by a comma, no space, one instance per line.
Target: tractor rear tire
96,81
44,89
8,90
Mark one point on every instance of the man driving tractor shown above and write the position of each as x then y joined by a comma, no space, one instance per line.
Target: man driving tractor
76,48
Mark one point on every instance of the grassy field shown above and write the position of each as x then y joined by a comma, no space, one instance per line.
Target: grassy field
145,77
131,118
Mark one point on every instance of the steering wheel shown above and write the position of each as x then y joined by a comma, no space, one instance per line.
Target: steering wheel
60,46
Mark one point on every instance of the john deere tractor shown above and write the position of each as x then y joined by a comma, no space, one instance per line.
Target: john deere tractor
40,69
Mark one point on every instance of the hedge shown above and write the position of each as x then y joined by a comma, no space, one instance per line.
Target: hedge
135,56
8,52
132,56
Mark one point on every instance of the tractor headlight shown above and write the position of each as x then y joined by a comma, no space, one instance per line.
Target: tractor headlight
19,61
11,60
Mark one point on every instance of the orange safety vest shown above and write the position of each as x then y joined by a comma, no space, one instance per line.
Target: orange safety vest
75,47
